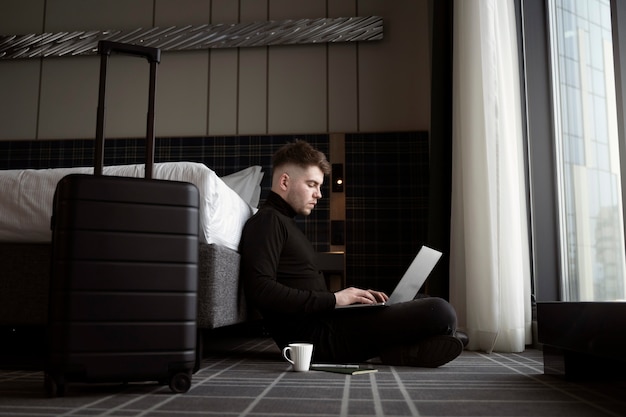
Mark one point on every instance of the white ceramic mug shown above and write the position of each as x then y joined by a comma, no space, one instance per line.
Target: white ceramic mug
299,355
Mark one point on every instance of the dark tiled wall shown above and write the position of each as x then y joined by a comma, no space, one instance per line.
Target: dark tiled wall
387,178
386,186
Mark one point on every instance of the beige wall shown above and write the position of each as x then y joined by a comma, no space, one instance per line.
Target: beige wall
372,86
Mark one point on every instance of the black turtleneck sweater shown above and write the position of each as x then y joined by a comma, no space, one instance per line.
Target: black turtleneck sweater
282,281
278,268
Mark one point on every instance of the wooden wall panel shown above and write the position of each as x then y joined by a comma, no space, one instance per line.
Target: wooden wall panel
70,15
21,17
181,100
297,89
68,98
394,74
182,12
252,100
252,91
223,92
183,81
369,86
342,88
223,68
19,84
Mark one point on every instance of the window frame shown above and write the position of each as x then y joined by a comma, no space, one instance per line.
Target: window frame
535,62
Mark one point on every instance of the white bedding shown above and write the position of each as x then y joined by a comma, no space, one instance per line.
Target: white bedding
26,199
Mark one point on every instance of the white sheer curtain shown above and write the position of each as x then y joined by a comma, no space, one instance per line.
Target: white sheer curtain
489,255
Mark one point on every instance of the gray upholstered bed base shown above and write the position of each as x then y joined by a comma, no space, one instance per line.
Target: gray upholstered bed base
220,296
24,281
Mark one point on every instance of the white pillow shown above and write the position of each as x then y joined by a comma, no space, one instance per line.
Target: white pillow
27,200
222,212
246,183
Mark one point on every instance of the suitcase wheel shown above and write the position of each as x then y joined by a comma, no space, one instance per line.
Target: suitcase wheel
180,382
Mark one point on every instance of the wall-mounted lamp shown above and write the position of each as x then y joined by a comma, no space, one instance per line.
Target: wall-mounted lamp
337,178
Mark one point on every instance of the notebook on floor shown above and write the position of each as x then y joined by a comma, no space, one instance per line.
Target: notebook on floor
411,281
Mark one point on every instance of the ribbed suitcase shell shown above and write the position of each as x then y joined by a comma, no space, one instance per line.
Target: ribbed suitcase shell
124,280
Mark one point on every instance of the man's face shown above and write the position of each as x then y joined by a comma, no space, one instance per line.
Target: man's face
303,188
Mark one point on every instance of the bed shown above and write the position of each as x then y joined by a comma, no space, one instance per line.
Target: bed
26,205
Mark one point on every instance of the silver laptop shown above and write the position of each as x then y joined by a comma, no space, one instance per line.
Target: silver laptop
412,280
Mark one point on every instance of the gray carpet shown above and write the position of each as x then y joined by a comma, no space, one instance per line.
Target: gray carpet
246,377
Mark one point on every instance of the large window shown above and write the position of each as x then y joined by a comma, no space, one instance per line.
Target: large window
587,151
575,149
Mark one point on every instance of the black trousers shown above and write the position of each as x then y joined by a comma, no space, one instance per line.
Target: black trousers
359,334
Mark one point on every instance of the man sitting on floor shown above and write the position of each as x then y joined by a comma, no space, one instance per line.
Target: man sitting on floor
283,282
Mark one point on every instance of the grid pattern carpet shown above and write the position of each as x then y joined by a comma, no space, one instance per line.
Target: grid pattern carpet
247,377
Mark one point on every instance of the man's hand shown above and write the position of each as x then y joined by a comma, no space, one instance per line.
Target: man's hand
353,295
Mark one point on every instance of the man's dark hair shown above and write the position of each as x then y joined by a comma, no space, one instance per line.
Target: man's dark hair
301,153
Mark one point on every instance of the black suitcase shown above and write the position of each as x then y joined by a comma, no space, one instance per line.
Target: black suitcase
124,270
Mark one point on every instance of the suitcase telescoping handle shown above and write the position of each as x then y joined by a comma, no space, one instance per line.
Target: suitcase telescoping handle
153,55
